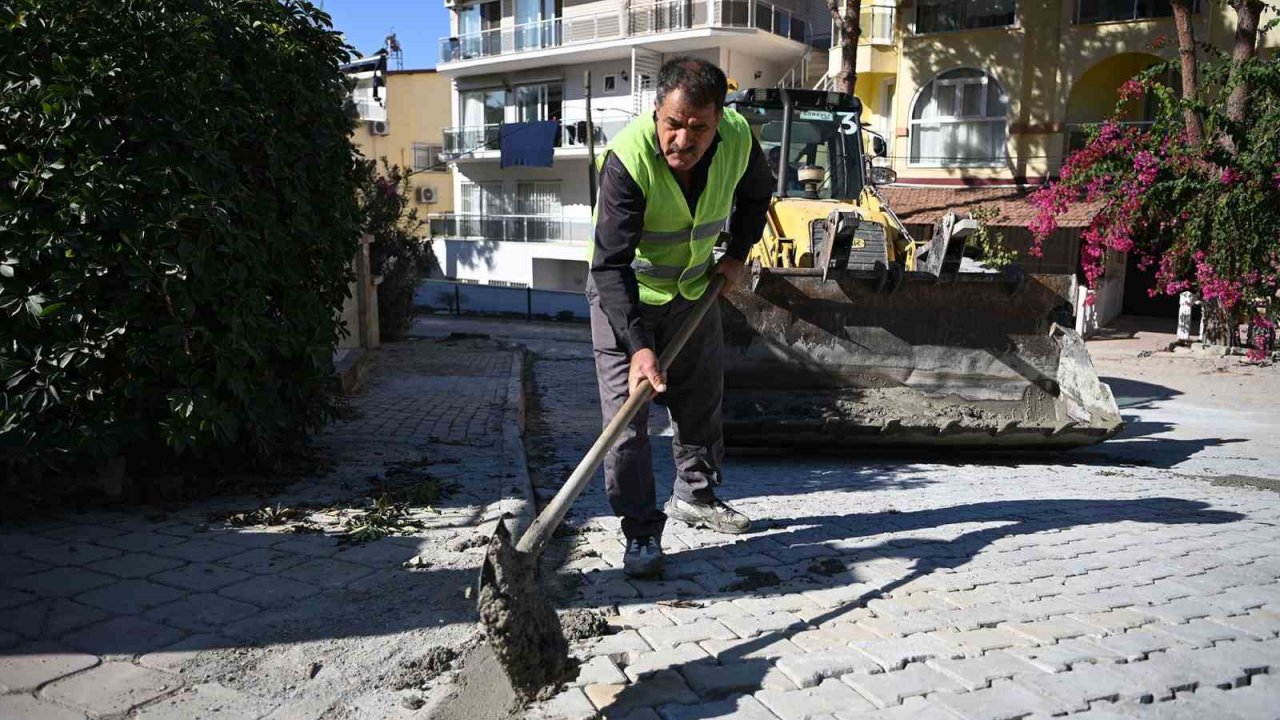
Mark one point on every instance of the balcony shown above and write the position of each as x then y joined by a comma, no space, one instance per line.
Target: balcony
476,141
877,23
509,228
369,109
637,21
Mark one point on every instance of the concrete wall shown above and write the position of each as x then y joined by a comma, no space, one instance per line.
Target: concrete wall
551,266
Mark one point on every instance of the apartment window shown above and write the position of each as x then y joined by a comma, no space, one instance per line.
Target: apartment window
540,208
543,101
478,34
959,119
483,206
610,83
426,157
944,15
1092,11
537,24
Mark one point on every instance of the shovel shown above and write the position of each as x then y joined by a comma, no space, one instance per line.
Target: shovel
523,628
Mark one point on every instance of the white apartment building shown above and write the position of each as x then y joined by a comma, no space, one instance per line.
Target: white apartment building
525,60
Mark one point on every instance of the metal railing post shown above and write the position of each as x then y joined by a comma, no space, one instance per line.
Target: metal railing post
528,304
457,300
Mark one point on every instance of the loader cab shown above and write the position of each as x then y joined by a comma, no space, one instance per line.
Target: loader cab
813,140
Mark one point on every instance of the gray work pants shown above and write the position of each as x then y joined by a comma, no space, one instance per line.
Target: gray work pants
695,387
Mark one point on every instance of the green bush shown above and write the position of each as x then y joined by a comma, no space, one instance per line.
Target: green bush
177,218
398,253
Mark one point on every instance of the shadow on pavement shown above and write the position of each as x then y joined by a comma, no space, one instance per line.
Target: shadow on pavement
924,556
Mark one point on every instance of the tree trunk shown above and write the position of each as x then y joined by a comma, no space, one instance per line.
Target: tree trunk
1248,14
1190,73
850,29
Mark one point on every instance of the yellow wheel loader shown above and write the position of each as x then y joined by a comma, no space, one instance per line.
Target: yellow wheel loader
850,333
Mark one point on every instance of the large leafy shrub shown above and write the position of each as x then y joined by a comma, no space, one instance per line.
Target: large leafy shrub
177,218
398,253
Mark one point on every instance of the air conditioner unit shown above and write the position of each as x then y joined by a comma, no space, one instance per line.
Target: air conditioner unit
427,195
379,127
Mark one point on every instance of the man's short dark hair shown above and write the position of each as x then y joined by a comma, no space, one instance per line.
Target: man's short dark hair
701,82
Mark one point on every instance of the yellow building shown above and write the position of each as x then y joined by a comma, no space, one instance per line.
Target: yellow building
403,114
981,100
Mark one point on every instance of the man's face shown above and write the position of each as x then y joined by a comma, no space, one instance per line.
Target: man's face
685,130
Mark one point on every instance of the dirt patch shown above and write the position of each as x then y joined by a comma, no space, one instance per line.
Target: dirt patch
416,673
826,566
467,543
583,624
484,692
753,579
1259,483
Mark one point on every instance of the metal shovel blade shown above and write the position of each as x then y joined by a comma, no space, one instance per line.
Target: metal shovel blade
523,629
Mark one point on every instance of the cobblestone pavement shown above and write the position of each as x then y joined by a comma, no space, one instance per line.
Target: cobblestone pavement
156,614
1118,582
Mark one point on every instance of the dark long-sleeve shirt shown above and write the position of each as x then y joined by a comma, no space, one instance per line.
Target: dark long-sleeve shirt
620,221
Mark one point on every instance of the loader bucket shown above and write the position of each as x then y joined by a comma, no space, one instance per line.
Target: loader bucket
971,360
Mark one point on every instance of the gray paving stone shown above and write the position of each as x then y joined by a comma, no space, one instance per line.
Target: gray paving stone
1198,633
771,646
1047,632
741,708
809,669
199,550
135,565
327,573
642,664
13,565
81,532
71,554
1241,599
709,629
1115,621
790,602
251,538
624,644
1062,656
1181,610
265,591
894,654
913,709
826,698
1084,684
748,626
61,582
112,688
201,612
47,619
833,636
976,642
139,542
1258,623
173,657
376,554
122,636
661,688
1004,700
1137,644
201,577
891,688
599,670
263,561
129,597
893,627
309,545
714,681
26,707
27,667
977,673
571,704
10,597
207,700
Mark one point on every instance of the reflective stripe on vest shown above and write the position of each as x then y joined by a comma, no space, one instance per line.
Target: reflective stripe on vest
675,250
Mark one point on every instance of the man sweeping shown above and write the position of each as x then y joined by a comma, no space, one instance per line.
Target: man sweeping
669,184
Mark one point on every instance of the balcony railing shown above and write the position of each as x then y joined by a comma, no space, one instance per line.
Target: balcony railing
370,110
877,24
573,132
1078,134
641,19
471,138
509,228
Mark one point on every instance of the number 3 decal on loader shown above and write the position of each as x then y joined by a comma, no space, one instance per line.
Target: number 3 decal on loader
848,125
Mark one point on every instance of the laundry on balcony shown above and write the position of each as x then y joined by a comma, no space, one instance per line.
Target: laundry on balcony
531,144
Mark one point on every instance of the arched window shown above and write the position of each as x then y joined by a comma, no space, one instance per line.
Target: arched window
960,118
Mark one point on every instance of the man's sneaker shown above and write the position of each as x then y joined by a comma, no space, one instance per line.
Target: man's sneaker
643,557
714,514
